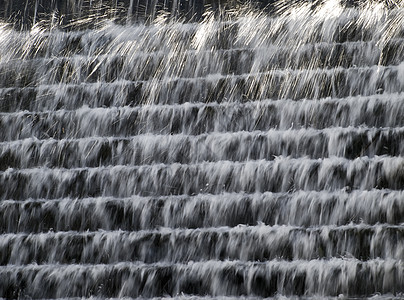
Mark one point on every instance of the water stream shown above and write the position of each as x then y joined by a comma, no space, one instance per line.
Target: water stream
239,153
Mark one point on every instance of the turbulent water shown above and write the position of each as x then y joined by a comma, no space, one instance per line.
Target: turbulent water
255,153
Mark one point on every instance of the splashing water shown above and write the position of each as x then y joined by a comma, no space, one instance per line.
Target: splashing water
253,153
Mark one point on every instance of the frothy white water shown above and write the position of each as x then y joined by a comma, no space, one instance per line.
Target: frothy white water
280,175
373,111
216,277
301,208
249,243
249,155
347,142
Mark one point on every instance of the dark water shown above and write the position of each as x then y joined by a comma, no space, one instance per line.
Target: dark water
238,153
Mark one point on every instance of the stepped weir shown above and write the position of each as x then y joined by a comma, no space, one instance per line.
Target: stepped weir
202,149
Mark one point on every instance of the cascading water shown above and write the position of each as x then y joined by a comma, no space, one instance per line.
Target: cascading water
250,154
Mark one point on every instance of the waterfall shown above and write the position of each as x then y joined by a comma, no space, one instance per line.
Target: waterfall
208,150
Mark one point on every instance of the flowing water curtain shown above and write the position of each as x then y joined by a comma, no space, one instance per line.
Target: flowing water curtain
247,154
